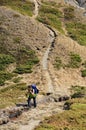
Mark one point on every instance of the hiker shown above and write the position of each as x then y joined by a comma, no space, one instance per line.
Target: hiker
32,93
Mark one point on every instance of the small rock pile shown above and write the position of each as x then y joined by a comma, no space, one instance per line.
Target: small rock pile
7,114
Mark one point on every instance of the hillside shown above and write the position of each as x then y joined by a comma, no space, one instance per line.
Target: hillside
42,42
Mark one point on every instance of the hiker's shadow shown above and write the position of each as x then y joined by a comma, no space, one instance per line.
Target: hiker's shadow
22,104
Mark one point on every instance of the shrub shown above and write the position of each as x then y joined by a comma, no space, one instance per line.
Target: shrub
23,69
25,61
58,63
5,76
75,61
84,64
16,80
5,60
78,91
83,72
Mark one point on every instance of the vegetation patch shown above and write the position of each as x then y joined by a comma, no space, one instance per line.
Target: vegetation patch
50,15
5,60
17,80
25,61
75,28
13,94
83,73
23,6
58,63
78,91
77,31
5,76
69,13
73,119
75,61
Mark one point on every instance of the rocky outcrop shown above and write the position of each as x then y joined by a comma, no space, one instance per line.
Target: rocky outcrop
82,3
7,114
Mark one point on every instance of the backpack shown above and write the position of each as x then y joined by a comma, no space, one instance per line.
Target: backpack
36,90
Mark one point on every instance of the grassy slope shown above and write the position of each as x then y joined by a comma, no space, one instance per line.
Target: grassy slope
76,29
24,7
50,15
26,58
72,119
75,118
12,94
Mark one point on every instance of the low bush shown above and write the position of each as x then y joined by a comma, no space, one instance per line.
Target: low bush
26,59
78,91
83,73
5,60
5,76
58,63
75,60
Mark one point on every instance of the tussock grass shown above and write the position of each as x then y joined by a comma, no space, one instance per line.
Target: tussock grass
24,7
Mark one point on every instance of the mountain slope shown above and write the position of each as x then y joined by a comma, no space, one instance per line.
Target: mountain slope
61,63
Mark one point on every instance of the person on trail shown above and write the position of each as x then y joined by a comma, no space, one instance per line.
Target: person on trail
32,93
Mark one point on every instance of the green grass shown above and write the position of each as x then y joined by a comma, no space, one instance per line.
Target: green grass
23,6
77,31
75,60
78,91
17,80
75,28
69,13
83,73
50,15
25,61
5,60
5,76
74,119
12,94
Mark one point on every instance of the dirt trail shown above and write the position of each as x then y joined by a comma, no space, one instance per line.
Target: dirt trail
48,108
36,8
